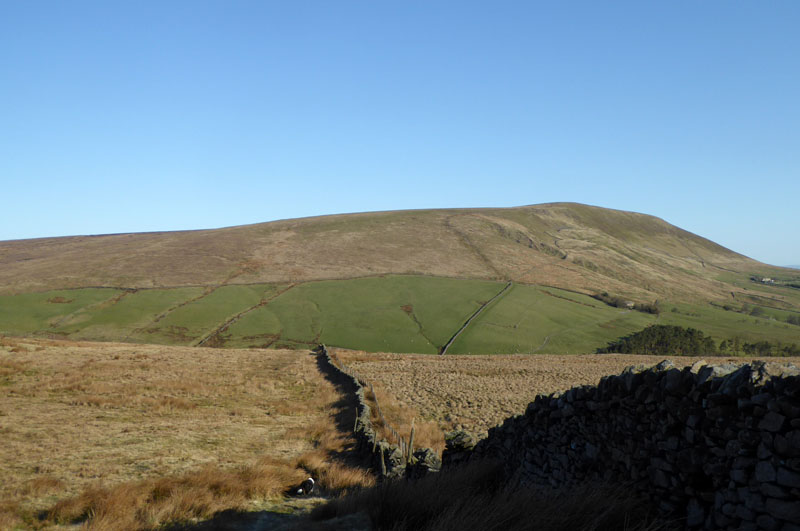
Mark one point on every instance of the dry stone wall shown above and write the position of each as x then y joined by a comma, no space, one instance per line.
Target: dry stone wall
715,447
389,460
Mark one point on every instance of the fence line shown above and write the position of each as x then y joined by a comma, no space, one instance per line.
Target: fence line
398,439
392,460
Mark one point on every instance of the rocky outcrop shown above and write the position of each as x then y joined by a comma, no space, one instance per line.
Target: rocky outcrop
717,447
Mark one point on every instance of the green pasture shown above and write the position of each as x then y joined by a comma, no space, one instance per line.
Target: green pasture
127,317
32,313
392,313
721,324
530,319
191,322
769,295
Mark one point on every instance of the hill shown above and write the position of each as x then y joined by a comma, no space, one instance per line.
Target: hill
397,281
566,245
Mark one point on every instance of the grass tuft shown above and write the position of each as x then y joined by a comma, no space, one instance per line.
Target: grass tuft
196,495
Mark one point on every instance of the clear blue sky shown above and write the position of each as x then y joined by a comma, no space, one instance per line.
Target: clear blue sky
131,116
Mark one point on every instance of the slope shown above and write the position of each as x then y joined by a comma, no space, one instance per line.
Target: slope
567,245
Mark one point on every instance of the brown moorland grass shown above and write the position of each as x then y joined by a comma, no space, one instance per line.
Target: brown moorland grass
476,392
122,436
566,245
400,415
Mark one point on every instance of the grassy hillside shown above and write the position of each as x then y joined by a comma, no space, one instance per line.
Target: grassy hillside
566,245
396,281
391,314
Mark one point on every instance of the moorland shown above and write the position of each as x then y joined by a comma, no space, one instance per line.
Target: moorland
399,282
159,378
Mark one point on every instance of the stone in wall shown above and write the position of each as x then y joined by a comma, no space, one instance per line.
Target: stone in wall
715,446
387,459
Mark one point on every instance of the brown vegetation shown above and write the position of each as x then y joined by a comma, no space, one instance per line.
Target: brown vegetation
400,415
127,436
477,392
567,245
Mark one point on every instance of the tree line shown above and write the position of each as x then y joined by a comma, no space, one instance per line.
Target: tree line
677,340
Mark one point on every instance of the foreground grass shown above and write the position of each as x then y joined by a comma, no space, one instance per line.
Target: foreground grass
120,436
477,498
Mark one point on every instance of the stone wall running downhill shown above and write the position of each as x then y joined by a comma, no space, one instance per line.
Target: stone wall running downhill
389,460
716,447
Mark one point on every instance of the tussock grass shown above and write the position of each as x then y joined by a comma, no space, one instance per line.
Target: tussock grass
427,434
476,498
476,392
400,414
332,476
196,495
120,436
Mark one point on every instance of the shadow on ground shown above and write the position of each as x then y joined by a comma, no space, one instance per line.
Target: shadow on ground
292,515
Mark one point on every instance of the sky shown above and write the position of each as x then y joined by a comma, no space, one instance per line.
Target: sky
134,116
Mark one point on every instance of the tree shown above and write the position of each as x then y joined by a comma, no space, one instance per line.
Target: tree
663,340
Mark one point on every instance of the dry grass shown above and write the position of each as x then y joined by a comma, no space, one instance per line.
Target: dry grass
478,392
198,494
332,476
565,245
427,434
139,435
401,415
475,498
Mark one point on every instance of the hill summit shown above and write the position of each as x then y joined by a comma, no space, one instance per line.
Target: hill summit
568,245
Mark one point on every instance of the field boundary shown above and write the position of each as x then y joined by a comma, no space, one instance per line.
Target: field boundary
473,316
227,324
390,460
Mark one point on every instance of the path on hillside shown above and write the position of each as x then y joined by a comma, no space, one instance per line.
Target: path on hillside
473,316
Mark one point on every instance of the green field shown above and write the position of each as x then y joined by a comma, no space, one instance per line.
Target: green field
721,324
393,313
191,322
529,319
126,317
38,312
